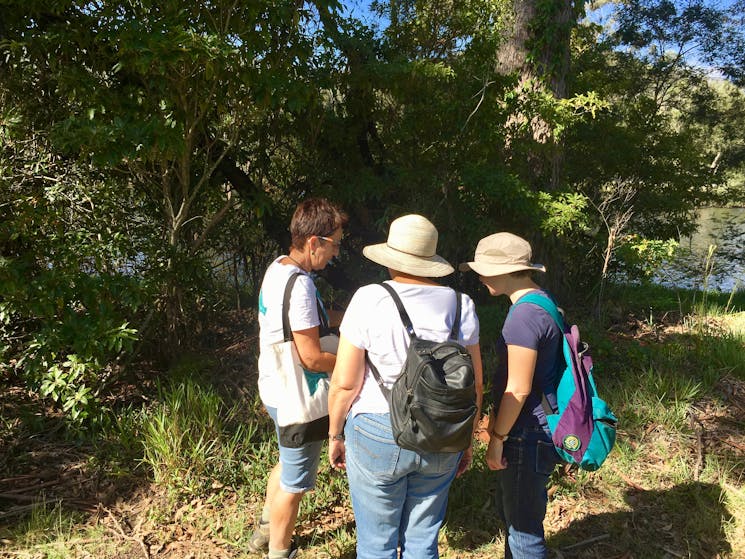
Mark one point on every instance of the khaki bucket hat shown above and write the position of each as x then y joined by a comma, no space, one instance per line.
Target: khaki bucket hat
502,253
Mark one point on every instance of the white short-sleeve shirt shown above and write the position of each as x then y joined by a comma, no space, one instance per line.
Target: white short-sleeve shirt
303,314
371,322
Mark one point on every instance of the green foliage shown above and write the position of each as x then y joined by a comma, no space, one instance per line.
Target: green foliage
550,38
191,441
68,355
67,299
639,298
46,523
639,257
655,134
152,155
151,101
662,32
564,212
662,383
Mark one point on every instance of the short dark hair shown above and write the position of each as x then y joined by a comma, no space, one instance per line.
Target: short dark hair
315,216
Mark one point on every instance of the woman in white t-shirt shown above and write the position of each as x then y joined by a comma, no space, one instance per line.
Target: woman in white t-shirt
399,496
316,230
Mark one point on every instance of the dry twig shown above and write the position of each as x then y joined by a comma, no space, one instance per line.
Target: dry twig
698,427
586,542
120,531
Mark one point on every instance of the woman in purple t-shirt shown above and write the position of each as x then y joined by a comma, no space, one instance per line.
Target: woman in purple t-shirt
530,362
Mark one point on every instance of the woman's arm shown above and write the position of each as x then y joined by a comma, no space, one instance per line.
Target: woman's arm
520,369
475,352
478,372
346,382
308,346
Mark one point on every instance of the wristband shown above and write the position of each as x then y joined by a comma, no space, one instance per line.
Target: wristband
339,437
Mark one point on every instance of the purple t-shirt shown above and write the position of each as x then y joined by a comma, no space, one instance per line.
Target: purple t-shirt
528,325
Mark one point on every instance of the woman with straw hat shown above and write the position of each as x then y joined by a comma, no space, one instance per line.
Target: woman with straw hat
530,363
398,496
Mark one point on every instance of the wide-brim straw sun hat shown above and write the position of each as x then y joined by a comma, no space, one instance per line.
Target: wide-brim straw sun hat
502,253
411,248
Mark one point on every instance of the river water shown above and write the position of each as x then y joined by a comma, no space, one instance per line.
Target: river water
723,228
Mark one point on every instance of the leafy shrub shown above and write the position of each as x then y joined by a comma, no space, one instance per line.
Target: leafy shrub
639,257
68,294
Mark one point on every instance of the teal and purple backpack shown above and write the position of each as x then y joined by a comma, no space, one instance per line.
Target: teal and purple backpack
583,427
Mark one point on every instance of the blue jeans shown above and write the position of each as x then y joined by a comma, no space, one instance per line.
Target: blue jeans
521,495
398,496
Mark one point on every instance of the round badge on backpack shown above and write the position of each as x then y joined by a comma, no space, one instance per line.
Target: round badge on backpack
572,443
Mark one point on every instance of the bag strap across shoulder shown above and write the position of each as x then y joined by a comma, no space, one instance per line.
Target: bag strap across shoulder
286,331
546,304
410,329
401,309
407,321
455,330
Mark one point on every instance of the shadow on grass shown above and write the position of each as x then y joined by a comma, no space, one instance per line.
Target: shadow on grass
471,518
43,464
687,520
345,548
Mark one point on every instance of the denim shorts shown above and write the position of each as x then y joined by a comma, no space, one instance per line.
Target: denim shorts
299,465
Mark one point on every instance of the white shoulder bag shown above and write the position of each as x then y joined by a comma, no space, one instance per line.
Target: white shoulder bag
303,413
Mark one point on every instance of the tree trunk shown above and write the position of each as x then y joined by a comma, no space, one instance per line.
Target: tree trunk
512,56
536,51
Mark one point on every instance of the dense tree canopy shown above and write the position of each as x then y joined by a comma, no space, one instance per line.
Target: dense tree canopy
152,152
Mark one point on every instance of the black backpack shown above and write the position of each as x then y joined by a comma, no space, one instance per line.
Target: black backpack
433,401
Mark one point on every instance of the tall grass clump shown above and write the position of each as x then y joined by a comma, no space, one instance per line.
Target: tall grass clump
724,353
192,440
48,521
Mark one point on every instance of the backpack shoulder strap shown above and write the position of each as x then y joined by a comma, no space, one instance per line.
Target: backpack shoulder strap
378,379
407,321
546,304
401,310
456,323
550,307
410,329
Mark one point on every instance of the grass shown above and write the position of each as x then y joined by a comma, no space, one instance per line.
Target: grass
191,442
47,522
195,460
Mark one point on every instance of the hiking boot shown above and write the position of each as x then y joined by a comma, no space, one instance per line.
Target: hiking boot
259,540
293,551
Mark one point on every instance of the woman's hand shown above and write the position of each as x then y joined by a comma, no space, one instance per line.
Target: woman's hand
494,458
465,461
337,454
346,382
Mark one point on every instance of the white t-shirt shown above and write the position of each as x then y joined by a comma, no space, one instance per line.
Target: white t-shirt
303,314
372,322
